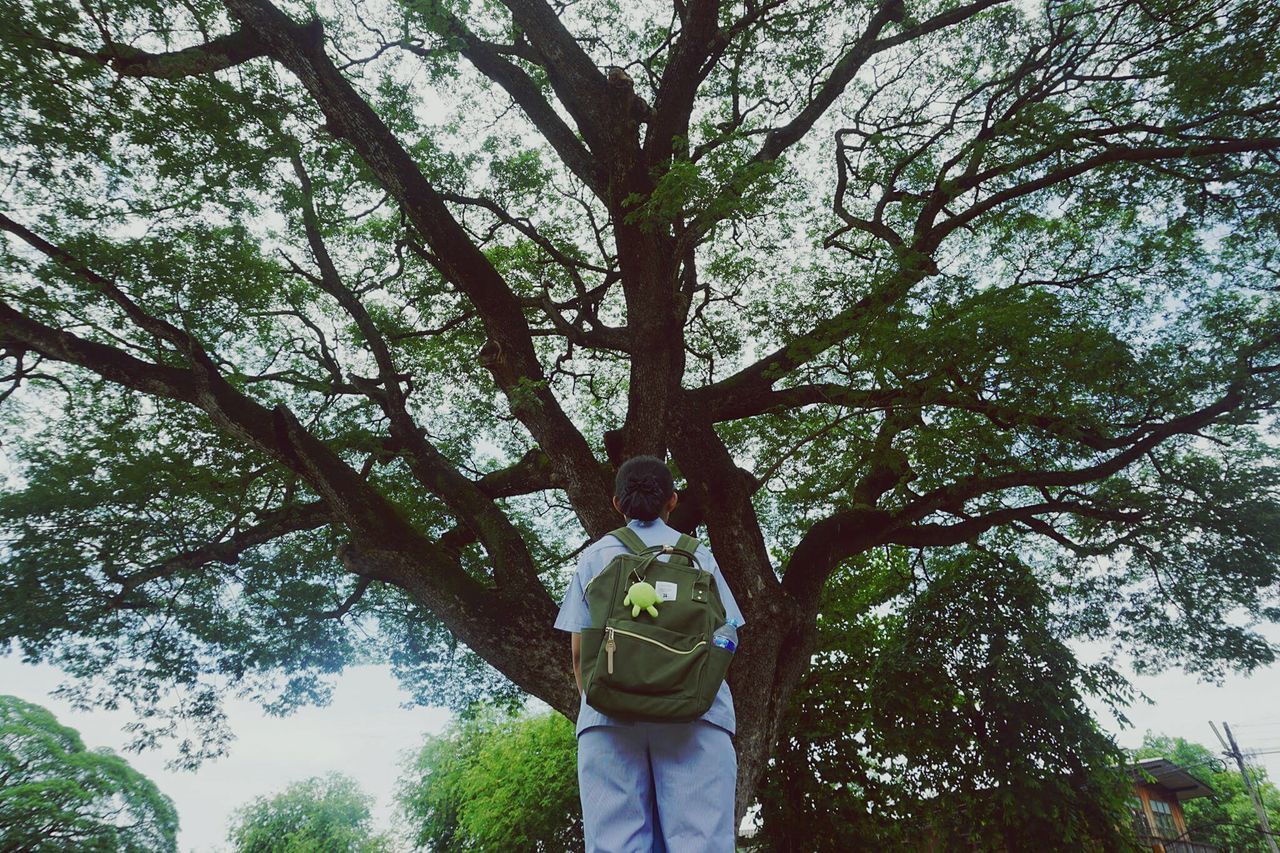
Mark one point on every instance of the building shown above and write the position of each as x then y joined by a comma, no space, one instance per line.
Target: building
1159,790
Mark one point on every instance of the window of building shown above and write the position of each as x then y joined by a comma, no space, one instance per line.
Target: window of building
1163,814
1138,814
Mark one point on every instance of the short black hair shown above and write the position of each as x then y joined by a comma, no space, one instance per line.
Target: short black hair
643,486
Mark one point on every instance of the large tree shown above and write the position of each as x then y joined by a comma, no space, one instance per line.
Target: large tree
327,813
495,782
961,688
338,317
57,795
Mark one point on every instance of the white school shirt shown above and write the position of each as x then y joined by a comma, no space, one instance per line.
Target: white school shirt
574,614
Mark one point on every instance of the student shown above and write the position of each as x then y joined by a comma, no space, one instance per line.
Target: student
649,786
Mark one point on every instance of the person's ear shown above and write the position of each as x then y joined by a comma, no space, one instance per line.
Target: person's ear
618,506
672,501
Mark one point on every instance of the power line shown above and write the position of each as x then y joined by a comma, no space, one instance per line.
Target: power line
1248,783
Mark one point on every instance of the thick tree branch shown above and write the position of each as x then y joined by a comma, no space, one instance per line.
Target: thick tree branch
525,227
272,525
276,432
512,566
934,535
743,390
826,393
1108,156
886,465
489,62
599,335
684,71
1044,528
942,20
159,328
222,52
575,78
722,491
18,332
530,474
510,357
867,45
781,138
385,548
834,539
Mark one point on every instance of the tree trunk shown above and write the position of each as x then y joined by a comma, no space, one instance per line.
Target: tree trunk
781,630
773,655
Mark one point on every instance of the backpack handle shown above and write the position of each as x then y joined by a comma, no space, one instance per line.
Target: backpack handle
636,545
671,549
641,571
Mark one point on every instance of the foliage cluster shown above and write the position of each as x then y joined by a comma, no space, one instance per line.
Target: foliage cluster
957,717
328,813
496,782
56,795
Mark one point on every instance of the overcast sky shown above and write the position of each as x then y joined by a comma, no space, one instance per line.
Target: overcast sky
1183,706
365,733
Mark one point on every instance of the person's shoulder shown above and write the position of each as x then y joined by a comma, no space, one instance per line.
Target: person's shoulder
704,555
606,546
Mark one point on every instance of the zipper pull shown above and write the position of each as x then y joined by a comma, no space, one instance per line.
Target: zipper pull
609,646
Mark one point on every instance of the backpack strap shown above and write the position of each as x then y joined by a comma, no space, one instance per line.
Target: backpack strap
635,545
686,543
631,539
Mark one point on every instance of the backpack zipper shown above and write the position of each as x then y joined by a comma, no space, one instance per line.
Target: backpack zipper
610,646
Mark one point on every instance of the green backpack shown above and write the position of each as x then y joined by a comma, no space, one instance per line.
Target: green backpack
642,667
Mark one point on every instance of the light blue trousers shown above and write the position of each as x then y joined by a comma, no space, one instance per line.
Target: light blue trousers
657,788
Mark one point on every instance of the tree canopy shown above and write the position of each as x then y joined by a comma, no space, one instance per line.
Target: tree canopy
57,795
492,782
958,717
328,813
324,327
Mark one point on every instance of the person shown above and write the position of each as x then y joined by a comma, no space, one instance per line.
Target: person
651,786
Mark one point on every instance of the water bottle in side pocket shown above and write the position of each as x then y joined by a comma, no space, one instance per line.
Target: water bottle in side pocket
726,636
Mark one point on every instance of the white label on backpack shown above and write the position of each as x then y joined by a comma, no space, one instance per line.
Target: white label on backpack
666,590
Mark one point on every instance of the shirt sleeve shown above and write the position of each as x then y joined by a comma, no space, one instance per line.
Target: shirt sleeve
731,610
574,614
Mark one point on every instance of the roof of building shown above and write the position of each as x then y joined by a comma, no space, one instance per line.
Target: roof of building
1163,772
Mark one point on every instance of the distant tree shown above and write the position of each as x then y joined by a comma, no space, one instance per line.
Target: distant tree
1227,819
955,713
55,795
494,782
329,814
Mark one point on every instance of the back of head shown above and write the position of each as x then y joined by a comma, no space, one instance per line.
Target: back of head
643,486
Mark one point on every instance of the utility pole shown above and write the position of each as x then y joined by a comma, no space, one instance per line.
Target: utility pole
1234,752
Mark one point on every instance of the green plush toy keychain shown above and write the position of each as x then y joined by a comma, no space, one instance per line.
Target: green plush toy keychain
642,596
